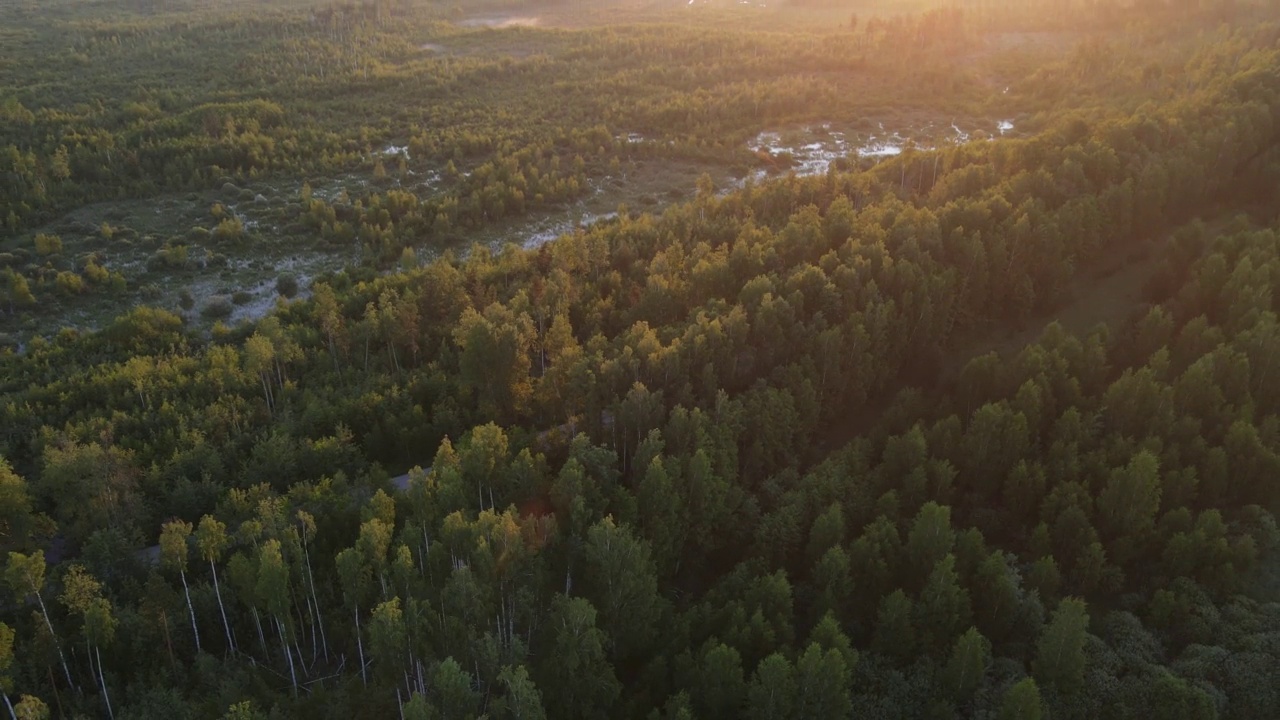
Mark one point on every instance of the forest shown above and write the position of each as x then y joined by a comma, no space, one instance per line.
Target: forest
984,427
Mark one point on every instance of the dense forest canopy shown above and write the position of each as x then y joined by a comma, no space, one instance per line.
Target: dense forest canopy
975,418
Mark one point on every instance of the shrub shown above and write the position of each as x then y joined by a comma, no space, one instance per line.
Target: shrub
287,285
229,229
241,297
48,245
218,307
96,273
69,283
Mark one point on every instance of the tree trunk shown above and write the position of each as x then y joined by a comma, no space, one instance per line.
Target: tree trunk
231,643
311,579
266,392
262,638
13,715
102,683
360,648
293,677
191,609
45,612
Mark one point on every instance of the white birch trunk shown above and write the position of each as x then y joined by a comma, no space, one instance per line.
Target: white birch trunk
102,683
262,638
315,600
13,715
284,645
360,648
45,613
191,610
231,643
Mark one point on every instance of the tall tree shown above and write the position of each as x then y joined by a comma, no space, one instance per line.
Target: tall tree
930,540
6,663
211,541
521,698
1022,702
494,359
943,607
306,534
969,662
273,589
389,641
24,574
823,682
173,555
82,594
17,520
719,682
1060,660
895,631
1130,501
355,577
622,582
772,695
576,679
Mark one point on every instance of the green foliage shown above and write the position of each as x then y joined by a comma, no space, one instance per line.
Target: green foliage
1060,656
1022,702
48,244
676,465
969,662
287,285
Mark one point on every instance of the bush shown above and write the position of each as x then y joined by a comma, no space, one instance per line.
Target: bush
69,283
48,245
185,300
287,285
229,229
218,307
96,273
169,256
241,297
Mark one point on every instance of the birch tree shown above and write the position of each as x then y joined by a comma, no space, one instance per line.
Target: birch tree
273,589
6,662
211,541
173,555
25,577
355,578
82,595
